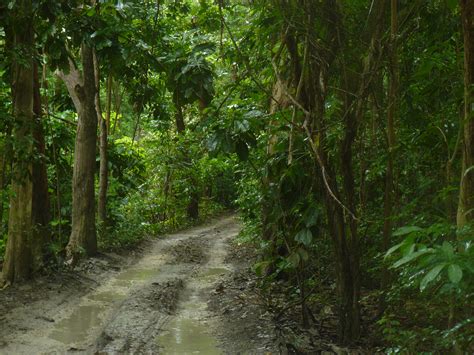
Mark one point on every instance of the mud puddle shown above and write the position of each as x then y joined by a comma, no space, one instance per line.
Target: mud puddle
189,332
82,325
126,311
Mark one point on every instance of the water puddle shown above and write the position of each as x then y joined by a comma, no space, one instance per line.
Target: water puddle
75,328
188,333
216,271
87,317
133,276
187,336
107,296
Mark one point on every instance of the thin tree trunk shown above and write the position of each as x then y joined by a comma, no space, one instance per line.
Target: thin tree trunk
3,179
108,112
117,105
103,170
391,141
19,259
41,205
179,119
465,212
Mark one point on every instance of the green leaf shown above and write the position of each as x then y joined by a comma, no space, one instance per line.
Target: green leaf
452,4
294,259
241,126
406,230
312,217
410,257
261,267
394,248
303,254
454,273
448,250
304,236
430,276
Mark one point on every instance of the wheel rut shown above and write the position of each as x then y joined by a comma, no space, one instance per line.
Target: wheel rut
158,304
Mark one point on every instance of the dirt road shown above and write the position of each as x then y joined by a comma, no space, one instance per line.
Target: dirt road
168,300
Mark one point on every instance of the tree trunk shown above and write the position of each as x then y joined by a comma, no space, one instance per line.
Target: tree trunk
19,259
465,214
117,104
391,141
180,126
3,179
83,235
41,206
103,170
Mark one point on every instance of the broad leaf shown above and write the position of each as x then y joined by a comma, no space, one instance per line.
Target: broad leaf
304,236
411,257
406,230
430,276
294,259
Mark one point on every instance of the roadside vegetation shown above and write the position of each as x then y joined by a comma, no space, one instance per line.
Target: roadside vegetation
342,132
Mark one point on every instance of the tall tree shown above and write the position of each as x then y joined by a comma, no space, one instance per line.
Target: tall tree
392,109
41,205
103,128
82,88
465,213
20,258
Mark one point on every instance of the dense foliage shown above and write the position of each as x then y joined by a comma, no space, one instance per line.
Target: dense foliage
339,129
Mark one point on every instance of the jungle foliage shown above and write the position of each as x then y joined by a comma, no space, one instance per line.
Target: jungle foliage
342,131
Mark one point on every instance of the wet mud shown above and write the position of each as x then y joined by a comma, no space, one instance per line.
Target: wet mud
160,299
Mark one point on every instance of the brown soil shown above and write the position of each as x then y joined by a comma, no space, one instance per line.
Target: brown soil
137,302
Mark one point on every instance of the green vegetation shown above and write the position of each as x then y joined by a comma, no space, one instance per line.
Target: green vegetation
342,131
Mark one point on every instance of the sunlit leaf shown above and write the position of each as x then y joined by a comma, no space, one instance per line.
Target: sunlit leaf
431,275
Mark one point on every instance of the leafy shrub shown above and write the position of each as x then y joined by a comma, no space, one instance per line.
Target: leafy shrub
439,262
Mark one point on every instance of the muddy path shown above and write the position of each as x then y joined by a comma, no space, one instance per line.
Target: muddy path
168,300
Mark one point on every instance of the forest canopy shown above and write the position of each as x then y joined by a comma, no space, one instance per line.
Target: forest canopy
342,131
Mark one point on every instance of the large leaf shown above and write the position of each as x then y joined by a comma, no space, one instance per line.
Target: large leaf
304,236
294,259
261,267
411,257
430,276
394,248
406,230
454,273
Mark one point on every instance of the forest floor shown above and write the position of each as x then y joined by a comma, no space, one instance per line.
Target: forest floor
185,292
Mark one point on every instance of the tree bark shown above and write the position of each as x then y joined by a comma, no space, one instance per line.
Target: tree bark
3,180
41,205
19,258
83,90
465,214
391,140
103,170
